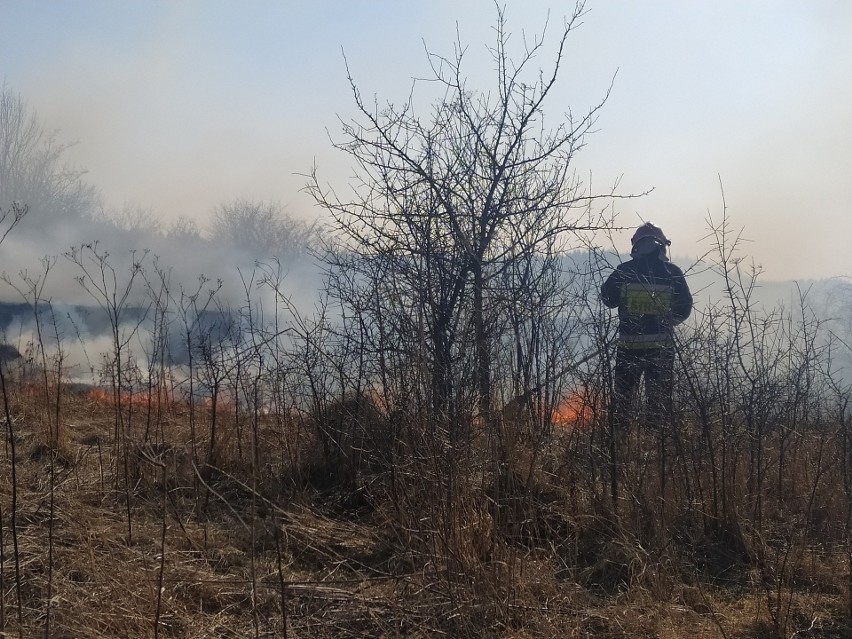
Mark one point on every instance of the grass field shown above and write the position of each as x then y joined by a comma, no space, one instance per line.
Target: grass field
275,536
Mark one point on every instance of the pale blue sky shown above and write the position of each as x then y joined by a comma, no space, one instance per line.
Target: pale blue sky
180,106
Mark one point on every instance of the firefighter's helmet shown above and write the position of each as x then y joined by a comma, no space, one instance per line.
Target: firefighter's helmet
649,239
652,231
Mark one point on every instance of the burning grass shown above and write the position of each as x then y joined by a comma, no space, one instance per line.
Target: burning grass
145,537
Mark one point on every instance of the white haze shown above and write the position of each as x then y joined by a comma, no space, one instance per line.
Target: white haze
179,106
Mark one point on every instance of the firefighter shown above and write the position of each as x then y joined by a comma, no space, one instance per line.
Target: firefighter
652,297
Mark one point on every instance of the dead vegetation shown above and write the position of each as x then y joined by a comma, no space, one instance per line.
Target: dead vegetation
422,547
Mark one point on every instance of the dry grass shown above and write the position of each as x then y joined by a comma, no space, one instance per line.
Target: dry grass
282,550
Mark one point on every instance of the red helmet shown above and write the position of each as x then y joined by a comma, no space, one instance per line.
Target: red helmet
649,230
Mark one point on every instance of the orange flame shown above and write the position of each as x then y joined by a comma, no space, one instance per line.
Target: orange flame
574,410
143,398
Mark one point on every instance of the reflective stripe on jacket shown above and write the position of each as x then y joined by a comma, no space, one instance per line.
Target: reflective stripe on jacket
657,340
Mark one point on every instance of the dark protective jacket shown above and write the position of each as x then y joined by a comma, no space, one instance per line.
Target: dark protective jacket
652,298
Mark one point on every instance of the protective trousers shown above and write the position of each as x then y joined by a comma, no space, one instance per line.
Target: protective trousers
656,365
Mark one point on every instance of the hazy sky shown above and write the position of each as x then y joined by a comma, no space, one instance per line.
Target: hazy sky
178,106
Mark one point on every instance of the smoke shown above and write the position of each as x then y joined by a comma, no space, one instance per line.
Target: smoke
77,276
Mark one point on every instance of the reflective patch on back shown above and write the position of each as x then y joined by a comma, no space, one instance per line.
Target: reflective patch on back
647,299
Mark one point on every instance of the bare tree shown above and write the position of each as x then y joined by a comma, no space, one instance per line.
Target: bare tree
444,206
33,171
113,294
184,229
10,218
263,229
132,218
